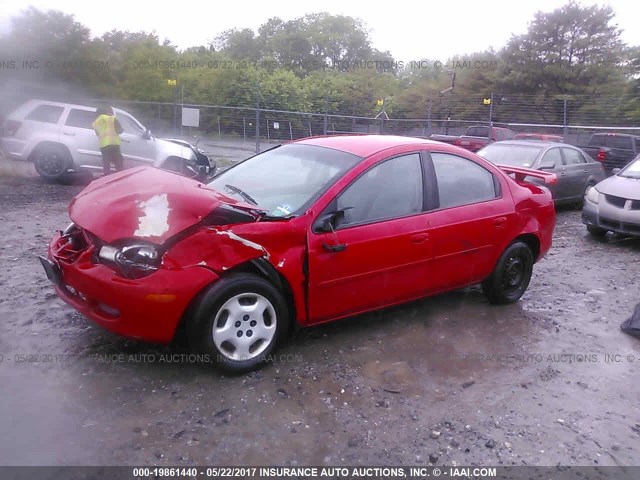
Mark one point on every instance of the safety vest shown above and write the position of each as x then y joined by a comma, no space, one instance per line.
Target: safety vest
105,127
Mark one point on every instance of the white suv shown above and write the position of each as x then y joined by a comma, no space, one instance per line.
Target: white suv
58,138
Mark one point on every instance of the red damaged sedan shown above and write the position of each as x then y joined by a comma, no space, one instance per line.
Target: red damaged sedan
305,233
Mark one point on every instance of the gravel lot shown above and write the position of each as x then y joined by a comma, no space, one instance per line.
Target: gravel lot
447,380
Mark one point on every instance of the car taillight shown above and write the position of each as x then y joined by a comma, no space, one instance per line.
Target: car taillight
601,156
457,142
11,127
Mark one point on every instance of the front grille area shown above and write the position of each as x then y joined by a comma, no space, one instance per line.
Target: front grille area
616,201
621,227
620,202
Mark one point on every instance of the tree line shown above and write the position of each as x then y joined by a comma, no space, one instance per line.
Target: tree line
324,62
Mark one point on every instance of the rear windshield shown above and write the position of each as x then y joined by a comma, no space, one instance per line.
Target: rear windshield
512,155
612,141
477,131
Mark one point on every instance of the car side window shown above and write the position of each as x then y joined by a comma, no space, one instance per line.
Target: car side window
390,189
554,157
45,113
81,118
572,157
129,125
461,181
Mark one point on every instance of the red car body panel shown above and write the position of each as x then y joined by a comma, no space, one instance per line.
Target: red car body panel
146,310
153,206
386,263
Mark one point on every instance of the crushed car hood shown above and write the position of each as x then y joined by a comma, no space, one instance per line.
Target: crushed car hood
145,203
620,187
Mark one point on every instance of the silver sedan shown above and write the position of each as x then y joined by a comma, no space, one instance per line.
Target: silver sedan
614,204
576,171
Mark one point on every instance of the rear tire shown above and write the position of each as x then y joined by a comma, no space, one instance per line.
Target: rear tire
511,276
596,231
52,162
238,322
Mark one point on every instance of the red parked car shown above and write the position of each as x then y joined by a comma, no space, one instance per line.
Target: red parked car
308,232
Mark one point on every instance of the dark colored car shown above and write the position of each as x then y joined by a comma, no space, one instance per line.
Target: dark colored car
613,150
575,170
308,232
613,205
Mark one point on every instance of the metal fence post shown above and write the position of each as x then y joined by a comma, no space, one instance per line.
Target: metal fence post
258,127
429,104
326,115
491,110
564,118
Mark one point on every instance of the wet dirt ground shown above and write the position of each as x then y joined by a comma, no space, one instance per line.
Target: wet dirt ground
448,380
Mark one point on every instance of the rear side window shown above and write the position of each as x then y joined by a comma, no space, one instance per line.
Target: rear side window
45,113
461,181
572,157
478,131
81,118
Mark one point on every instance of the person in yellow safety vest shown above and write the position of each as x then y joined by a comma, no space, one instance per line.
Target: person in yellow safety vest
108,128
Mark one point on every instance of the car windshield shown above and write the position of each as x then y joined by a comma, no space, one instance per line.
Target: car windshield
632,170
285,180
512,155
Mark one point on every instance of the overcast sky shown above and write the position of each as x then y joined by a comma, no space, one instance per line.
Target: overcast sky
410,31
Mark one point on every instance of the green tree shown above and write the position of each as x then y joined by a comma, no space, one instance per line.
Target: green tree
571,50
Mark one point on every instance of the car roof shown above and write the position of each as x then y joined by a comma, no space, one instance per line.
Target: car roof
532,143
36,101
364,145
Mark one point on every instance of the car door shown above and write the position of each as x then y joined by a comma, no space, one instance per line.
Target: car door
472,216
378,253
79,136
553,157
577,172
137,148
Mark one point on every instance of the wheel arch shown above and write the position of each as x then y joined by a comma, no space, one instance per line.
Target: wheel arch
256,266
532,241
51,144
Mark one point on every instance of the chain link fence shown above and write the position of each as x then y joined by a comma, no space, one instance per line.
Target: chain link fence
573,117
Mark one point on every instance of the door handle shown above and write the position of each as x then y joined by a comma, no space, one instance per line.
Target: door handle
335,248
563,174
499,222
69,134
124,141
420,238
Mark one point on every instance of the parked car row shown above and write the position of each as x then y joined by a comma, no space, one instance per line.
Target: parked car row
59,139
576,171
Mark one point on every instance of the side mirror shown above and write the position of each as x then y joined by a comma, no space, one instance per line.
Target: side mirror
331,221
616,171
547,166
147,134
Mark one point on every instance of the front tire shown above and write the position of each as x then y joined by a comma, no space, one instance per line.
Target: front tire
238,322
596,231
52,162
511,276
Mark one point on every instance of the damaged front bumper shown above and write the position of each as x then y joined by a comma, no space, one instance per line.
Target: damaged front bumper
148,308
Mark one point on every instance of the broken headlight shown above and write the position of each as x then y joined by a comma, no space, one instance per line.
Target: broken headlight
135,261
